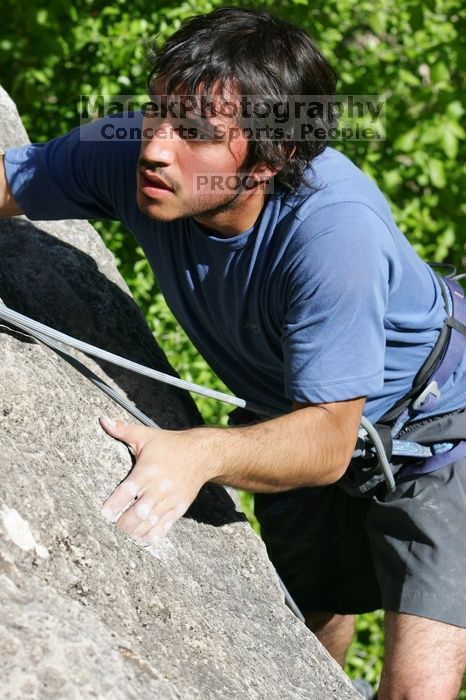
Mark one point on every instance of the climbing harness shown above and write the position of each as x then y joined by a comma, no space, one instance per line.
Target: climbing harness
398,426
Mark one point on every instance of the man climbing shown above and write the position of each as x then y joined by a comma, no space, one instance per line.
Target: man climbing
309,303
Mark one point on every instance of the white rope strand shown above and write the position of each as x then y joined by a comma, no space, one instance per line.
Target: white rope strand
30,326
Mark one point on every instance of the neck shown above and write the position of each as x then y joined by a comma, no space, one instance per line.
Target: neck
240,215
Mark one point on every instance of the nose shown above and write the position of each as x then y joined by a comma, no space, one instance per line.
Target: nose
157,142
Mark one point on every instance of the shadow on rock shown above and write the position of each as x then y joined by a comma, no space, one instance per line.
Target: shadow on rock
58,285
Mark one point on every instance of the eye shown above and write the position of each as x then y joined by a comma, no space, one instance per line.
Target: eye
196,131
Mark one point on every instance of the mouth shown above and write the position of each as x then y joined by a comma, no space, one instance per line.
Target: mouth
153,186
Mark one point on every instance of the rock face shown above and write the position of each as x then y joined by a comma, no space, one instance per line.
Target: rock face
85,612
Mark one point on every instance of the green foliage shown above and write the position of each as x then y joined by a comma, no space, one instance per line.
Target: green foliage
55,51
413,53
364,658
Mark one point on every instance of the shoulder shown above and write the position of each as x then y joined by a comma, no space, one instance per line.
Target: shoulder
114,137
342,214
88,172
334,182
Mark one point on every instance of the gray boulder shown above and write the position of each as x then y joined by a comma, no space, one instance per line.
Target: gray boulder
85,612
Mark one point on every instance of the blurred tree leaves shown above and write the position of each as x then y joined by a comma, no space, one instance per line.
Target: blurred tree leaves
414,54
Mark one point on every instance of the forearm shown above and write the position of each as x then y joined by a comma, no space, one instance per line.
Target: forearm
308,447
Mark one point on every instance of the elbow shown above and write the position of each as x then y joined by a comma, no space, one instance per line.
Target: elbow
333,475
347,456
333,433
340,471
339,465
343,440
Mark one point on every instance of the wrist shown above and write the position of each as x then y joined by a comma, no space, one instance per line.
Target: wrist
205,446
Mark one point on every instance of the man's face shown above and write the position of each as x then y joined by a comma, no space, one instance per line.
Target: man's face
172,168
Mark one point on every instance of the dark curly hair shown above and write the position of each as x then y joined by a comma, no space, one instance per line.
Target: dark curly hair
259,54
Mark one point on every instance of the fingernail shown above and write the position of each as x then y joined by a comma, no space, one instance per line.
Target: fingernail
110,514
146,541
152,541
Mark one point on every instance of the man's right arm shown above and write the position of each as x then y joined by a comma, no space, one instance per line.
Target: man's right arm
8,205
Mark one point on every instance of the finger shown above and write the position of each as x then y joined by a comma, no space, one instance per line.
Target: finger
165,521
156,533
137,515
145,525
121,498
132,487
162,507
159,510
134,435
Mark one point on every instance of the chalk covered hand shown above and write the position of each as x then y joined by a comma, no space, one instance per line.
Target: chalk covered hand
163,483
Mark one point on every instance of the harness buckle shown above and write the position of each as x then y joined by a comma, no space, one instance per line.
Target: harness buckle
431,389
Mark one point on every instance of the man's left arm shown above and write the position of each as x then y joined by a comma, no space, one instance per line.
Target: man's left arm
310,446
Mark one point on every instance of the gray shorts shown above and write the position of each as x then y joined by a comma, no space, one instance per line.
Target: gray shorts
403,551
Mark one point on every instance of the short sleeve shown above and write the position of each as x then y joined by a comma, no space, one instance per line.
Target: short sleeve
333,335
75,176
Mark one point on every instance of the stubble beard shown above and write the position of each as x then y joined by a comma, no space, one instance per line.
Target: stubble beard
206,206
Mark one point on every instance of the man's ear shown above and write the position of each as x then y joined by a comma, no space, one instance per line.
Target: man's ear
263,173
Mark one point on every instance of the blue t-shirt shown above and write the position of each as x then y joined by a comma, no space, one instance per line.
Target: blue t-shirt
322,300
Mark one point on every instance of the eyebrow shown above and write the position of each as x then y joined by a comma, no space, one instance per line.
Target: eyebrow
201,123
